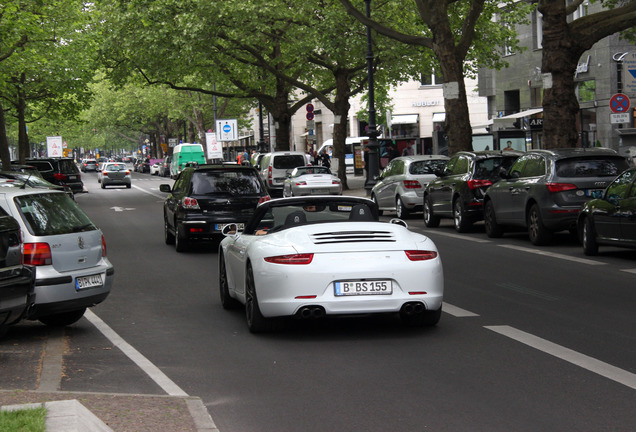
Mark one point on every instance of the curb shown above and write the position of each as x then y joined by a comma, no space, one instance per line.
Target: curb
66,416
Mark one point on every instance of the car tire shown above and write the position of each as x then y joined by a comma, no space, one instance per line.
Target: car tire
180,239
375,200
103,185
538,233
128,186
400,211
462,223
588,238
168,236
256,322
430,220
493,229
63,319
227,301
427,318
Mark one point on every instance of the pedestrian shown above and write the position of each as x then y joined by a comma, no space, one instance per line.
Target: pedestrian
324,158
392,153
408,150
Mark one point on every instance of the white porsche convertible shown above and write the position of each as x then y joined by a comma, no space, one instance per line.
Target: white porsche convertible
311,257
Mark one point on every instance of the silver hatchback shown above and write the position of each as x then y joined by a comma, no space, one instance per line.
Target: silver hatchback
400,187
67,249
114,174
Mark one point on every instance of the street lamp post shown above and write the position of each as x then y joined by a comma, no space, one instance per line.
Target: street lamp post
374,165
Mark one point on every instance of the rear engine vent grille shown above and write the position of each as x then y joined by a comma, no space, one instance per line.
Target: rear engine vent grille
352,237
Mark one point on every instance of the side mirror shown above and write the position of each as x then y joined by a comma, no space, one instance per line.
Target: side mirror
230,230
165,188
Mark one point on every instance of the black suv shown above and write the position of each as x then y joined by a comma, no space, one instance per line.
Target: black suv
16,279
458,192
544,190
59,171
206,198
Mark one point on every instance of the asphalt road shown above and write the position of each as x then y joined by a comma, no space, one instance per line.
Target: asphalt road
531,338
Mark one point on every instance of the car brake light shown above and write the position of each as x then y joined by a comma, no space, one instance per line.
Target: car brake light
37,254
60,176
105,174
411,184
560,187
335,181
476,184
301,183
264,199
269,175
305,258
420,255
103,247
190,204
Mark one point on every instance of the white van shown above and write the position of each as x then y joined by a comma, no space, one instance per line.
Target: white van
350,141
275,166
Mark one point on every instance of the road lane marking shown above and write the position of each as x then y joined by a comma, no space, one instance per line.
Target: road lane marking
629,271
553,255
591,364
146,365
457,312
162,196
457,236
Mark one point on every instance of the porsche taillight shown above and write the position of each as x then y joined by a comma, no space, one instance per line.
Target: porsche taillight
420,255
305,258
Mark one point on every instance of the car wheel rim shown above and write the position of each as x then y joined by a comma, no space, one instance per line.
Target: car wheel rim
458,215
533,225
398,208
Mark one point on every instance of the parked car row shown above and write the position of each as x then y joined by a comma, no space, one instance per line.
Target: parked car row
541,191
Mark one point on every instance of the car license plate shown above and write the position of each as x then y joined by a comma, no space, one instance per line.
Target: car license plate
72,177
319,191
219,227
593,192
352,288
91,281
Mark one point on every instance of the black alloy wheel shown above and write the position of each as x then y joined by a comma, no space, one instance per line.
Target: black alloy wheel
588,238
430,220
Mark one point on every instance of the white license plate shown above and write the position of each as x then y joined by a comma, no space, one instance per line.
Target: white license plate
320,191
219,227
352,288
91,281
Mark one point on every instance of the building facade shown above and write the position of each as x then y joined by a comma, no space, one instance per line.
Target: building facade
514,93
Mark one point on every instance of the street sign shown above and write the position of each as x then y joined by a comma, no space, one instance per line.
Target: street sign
215,149
629,74
54,146
227,130
618,118
619,103
310,116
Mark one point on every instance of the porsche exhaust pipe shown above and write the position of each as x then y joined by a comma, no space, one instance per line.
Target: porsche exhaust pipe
412,308
311,312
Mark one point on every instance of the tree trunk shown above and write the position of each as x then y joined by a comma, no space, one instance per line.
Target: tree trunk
341,110
24,149
561,54
5,154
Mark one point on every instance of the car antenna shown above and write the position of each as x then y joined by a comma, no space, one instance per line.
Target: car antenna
26,181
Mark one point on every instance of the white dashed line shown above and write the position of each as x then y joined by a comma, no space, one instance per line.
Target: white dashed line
457,312
553,255
591,364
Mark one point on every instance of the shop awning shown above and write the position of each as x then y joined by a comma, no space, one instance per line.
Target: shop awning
404,119
519,114
439,117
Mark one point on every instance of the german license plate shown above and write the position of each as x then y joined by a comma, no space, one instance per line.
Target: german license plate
91,281
72,177
353,288
319,191
219,227
593,192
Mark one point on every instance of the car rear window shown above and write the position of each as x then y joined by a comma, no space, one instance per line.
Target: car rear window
426,166
68,166
42,165
289,161
486,169
52,214
591,167
227,182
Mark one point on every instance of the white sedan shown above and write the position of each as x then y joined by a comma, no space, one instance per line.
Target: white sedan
154,168
311,180
317,256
